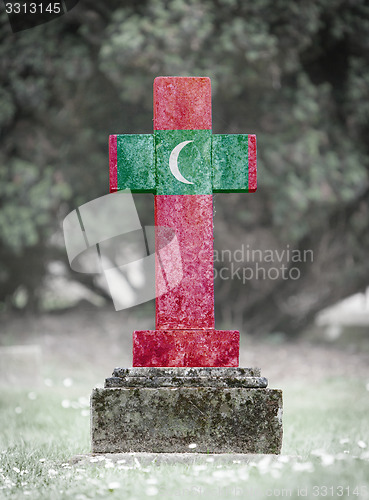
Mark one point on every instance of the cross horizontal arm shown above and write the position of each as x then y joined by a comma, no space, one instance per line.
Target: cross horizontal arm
224,163
234,163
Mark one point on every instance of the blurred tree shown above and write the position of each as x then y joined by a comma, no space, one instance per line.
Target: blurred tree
296,74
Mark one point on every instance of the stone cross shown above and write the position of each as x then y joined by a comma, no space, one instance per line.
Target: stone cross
183,164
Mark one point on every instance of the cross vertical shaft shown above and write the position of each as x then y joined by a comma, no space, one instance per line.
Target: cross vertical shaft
185,105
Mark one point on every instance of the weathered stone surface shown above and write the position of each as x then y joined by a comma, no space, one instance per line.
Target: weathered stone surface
113,164
186,377
165,419
192,156
252,382
186,371
207,347
231,163
191,304
182,103
137,154
253,184
183,164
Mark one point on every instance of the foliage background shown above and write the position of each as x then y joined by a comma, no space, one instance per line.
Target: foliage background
294,73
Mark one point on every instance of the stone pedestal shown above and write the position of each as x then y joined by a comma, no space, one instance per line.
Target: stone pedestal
169,410
185,348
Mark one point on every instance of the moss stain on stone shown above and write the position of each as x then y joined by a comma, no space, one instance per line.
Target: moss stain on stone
168,419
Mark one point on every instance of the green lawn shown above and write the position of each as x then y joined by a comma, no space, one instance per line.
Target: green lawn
325,451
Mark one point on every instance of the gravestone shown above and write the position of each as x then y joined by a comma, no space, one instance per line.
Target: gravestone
185,391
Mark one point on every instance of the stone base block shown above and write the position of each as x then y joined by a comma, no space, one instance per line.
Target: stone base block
179,418
186,348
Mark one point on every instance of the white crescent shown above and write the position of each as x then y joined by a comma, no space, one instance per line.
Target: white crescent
173,162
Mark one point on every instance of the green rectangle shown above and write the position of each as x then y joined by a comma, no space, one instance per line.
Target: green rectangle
183,161
230,163
136,162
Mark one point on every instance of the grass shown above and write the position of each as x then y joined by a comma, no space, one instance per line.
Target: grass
325,451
